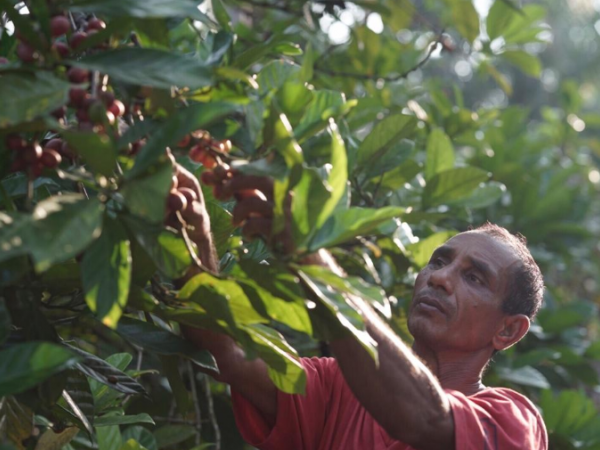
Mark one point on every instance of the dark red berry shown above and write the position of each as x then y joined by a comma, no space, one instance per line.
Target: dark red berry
82,115
183,143
59,25
66,151
117,108
36,169
77,39
77,96
26,53
96,24
176,201
189,194
208,177
135,147
50,158
78,75
54,144
59,113
107,97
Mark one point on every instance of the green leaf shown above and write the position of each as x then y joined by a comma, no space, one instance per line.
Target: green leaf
483,196
221,15
324,104
25,96
4,321
221,226
80,392
131,444
400,175
59,228
440,153
113,419
140,9
192,118
166,249
149,67
107,374
141,435
422,250
384,136
528,63
505,21
106,273
525,376
109,438
347,224
465,19
22,366
146,195
452,185
282,360
171,435
96,150
157,340
170,369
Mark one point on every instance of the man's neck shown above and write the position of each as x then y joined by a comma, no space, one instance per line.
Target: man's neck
455,370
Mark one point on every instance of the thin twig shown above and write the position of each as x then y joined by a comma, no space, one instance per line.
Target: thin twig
280,7
211,413
390,78
196,402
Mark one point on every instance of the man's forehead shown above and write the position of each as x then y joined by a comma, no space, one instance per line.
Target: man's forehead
482,245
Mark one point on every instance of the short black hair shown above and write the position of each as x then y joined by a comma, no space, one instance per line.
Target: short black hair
526,289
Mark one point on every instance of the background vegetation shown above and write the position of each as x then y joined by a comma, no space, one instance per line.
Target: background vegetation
396,123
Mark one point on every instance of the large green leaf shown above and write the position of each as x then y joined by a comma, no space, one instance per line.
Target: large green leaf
114,419
106,273
149,67
158,340
166,249
514,25
22,366
171,435
4,321
383,137
451,185
440,154
525,376
59,228
347,224
146,195
465,18
25,96
140,9
109,438
195,117
96,150
105,373
221,226
141,435
528,63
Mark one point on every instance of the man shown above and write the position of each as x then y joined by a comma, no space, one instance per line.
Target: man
476,296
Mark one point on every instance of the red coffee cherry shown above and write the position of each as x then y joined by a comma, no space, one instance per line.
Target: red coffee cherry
96,24
77,39
61,48
117,108
59,25
185,141
189,194
78,75
77,97
26,53
54,144
15,142
176,201
31,153
50,158
208,177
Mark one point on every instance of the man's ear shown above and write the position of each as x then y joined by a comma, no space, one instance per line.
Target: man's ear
513,329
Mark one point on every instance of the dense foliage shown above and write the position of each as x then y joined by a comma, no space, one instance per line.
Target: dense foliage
395,124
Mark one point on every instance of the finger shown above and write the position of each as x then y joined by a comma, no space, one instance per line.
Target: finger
257,227
251,207
242,182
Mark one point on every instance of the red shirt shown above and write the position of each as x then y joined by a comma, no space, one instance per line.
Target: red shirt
330,418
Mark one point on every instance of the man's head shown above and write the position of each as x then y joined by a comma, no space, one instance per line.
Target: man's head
479,291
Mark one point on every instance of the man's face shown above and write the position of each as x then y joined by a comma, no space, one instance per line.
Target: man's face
458,296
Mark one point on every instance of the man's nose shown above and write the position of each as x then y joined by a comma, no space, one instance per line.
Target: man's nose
442,278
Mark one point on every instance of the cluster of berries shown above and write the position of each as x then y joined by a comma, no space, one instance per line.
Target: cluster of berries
30,157
204,149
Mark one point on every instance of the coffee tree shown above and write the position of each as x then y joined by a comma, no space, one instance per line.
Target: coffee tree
102,100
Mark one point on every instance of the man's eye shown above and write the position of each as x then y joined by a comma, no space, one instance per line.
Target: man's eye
474,278
437,262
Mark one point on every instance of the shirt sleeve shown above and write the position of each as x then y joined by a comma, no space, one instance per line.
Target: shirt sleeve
496,419
300,418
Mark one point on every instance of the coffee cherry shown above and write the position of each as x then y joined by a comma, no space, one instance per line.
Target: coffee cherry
31,153
50,158
59,113
82,115
189,194
53,144
78,75
117,108
248,193
77,39
202,135
208,177
222,171
66,151
15,142
176,201
26,53
77,97
96,24
36,169
3,61
226,145
107,97
135,148
59,25
185,141
61,48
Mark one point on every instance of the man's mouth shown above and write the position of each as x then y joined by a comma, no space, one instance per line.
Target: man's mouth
428,303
